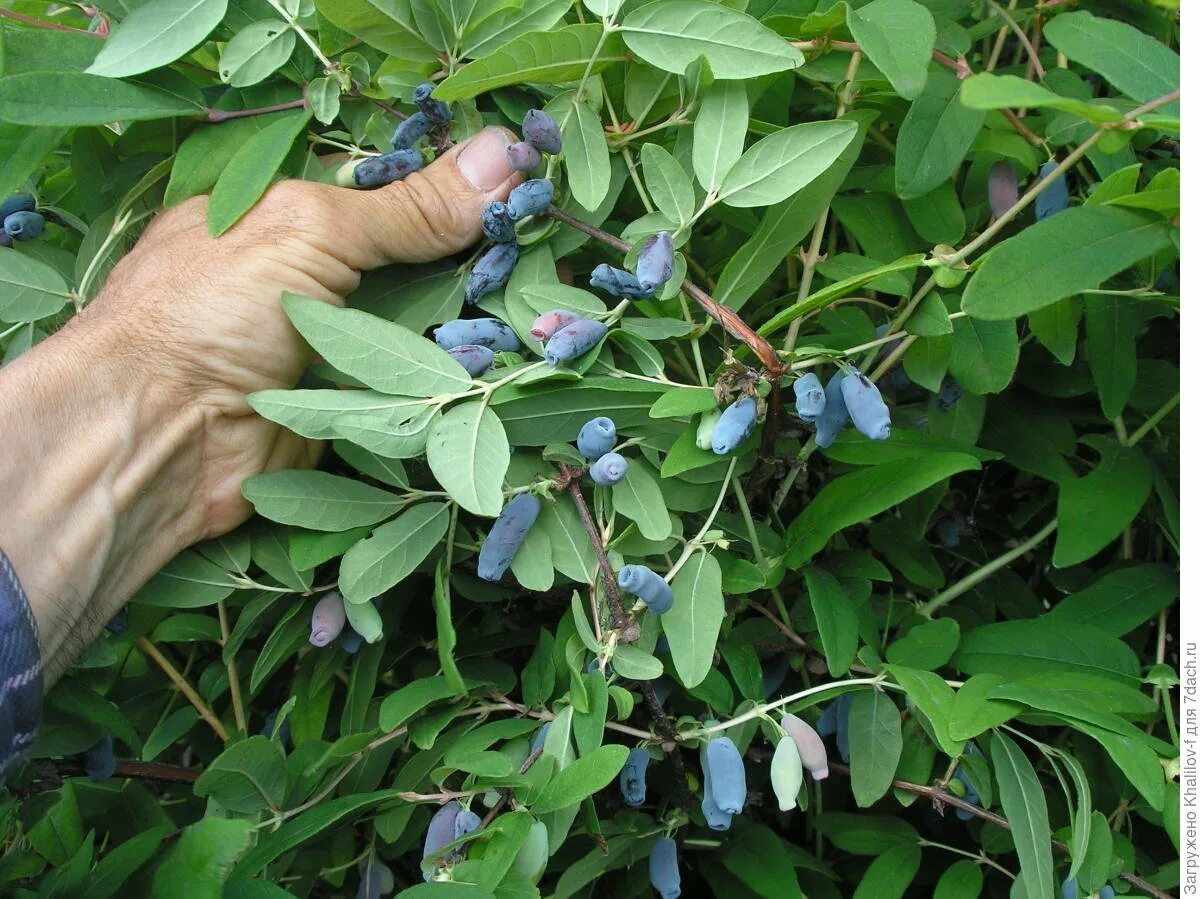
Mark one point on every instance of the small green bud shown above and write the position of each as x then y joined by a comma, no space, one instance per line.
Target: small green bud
704,433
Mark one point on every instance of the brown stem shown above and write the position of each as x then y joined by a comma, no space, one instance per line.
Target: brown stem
940,797
729,320
42,23
139,770
625,625
224,115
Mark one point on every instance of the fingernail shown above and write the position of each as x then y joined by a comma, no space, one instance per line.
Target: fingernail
483,161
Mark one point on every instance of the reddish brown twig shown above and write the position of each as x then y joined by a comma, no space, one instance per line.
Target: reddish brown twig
224,115
139,770
42,23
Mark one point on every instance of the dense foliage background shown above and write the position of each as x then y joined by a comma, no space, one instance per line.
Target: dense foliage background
992,586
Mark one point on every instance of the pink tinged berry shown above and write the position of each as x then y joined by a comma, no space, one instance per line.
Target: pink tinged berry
809,744
787,773
328,619
1002,188
574,340
523,156
550,323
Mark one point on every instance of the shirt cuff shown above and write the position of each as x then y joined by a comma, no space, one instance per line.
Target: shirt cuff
20,671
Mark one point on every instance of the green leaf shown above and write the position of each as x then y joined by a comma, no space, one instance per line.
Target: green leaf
875,745
318,500
1094,510
204,154
934,137
1134,63
251,170
490,32
1078,249
377,352
392,552
156,33
935,699
119,864
203,858
639,499
837,620
860,495
636,664
782,163
928,646
983,354
974,711
29,289
540,57
760,859
585,152
898,36
962,880
720,132
1112,324
889,876
1121,600
671,34
861,834
255,52
693,623
468,453
1044,646
312,413
22,150
386,26
584,778
1057,327
69,99
247,777
1024,804
669,185
988,91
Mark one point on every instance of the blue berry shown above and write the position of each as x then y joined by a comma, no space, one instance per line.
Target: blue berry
541,131
523,156
842,710
491,272
441,832
17,203
530,198
550,323
411,130
1107,892
835,414
380,170
375,879
1055,198
489,332
827,722
596,438
1070,889
632,780
648,586
866,406
506,536
734,426
716,817
5,240
664,869
438,111
498,224
656,261
609,469
810,396
119,623
475,359
465,822
618,282
949,393
99,762
351,641
947,532
574,340
728,775
24,225
539,739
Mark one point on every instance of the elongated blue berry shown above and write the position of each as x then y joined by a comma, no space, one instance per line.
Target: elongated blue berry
523,156
531,198
648,586
465,822
573,340
550,323
597,437
775,673
734,426
827,722
1002,188
24,225
728,774
808,744
380,170
949,393
1070,889
866,406
656,261
491,272
498,224
119,623
17,203
328,619
835,414
438,111
787,773
1055,198
99,762
609,469
810,396
539,739
714,815
664,869
1107,892
969,794
441,832
506,535
632,779
541,131
411,130
475,359
489,332
617,282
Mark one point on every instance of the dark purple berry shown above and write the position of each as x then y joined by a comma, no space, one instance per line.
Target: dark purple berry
17,203
656,261
618,282
475,359
380,170
523,156
411,130
506,536
491,272
541,131
574,340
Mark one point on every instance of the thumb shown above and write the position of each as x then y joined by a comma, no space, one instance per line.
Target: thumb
435,211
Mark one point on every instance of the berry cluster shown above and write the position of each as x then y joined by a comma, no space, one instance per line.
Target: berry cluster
21,220
849,396
655,267
449,823
404,158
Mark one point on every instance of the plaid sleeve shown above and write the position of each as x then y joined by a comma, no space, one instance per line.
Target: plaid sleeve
20,671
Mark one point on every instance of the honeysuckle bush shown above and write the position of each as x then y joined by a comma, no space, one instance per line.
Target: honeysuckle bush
848,187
